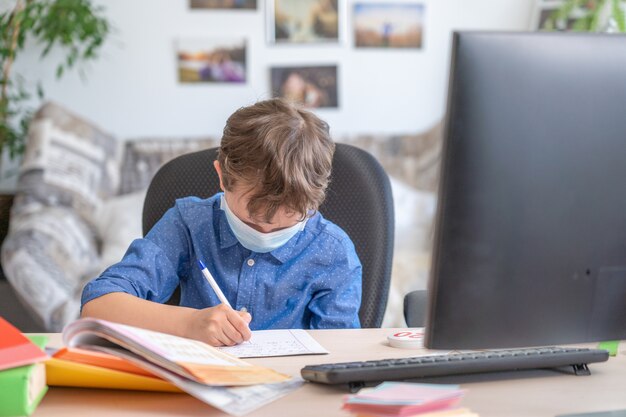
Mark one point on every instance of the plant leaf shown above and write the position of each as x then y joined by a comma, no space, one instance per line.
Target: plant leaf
618,14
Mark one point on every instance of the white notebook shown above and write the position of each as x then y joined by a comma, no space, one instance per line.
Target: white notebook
265,343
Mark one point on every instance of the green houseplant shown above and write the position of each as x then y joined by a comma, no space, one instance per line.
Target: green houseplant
75,27
588,16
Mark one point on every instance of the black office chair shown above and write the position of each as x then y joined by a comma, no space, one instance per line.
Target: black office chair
358,199
415,305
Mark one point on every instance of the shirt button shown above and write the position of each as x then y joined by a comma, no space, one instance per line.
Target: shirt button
250,262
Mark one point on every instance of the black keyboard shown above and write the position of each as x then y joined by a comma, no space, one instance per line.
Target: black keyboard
360,373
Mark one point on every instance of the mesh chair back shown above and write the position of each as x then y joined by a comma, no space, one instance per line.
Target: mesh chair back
358,199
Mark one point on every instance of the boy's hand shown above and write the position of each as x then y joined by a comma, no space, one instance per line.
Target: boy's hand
220,326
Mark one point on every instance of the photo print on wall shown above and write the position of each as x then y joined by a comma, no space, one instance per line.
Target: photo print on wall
223,4
311,86
211,60
580,16
388,25
546,16
303,21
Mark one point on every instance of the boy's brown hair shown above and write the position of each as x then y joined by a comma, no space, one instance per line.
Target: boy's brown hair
280,153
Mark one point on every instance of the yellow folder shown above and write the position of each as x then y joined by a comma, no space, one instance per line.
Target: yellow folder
72,374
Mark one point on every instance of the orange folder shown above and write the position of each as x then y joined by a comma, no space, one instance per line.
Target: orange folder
102,360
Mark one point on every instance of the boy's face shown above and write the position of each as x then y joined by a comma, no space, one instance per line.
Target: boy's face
237,199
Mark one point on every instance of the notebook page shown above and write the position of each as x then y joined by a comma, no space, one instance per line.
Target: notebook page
265,343
178,349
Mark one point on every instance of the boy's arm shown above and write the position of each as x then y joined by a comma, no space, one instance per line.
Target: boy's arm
217,326
151,267
125,308
130,292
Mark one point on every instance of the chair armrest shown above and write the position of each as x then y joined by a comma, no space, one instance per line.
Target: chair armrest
415,304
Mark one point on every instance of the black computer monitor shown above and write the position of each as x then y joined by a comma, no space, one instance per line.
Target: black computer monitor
530,240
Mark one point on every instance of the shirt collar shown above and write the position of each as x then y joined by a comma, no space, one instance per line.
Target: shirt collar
295,245
227,238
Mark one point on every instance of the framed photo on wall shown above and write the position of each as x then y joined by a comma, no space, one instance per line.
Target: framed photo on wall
311,86
545,16
211,61
388,25
303,21
585,16
223,4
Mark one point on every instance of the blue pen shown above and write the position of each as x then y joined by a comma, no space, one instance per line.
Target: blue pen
213,284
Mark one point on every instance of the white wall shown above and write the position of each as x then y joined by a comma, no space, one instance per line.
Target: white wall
132,90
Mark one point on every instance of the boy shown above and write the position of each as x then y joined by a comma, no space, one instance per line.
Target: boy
263,240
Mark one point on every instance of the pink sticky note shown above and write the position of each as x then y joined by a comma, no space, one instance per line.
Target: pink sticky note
410,393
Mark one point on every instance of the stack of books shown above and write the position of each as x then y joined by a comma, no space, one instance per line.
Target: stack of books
102,354
404,399
22,372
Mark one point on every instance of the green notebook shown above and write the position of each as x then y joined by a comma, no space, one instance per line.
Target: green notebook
22,388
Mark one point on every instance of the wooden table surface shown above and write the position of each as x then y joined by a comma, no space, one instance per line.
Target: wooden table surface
527,395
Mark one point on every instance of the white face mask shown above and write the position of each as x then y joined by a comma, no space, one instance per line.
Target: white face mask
254,240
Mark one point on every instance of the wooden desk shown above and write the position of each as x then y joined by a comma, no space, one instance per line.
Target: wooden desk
546,396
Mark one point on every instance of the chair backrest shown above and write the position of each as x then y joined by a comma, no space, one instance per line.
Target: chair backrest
358,200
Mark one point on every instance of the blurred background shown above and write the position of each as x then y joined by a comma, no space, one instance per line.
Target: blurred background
130,84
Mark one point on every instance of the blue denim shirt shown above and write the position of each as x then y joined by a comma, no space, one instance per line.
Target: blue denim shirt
311,282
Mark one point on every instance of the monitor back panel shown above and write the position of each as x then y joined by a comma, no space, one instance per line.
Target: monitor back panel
530,243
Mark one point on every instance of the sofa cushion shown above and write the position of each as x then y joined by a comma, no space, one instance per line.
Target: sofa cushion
47,257
69,162
118,224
